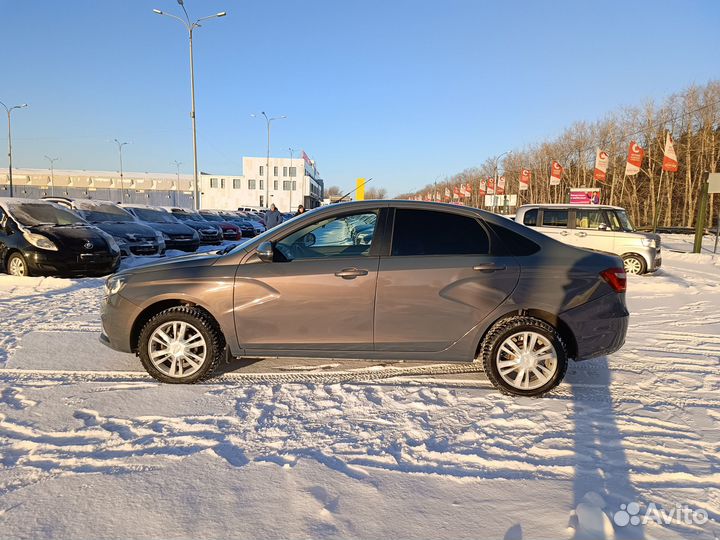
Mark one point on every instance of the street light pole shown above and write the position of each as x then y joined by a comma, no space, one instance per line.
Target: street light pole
190,27
268,121
52,173
495,188
290,177
9,110
122,181
177,183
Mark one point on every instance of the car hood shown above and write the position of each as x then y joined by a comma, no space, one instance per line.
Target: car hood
125,227
74,237
175,263
199,225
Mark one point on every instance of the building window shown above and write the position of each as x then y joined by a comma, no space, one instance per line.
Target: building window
262,184
275,171
213,182
284,171
287,184
262,201
251,184
294,185
237,183
275,185
262,170
293,171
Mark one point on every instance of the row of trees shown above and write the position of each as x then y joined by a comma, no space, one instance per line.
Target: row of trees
370,193
691,116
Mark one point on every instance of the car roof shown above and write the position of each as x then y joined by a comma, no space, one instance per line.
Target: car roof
23,200
569,205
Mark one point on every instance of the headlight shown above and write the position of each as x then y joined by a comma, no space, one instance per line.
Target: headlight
39,241
121,241
649,242
196,236
165,236
114,284
112,244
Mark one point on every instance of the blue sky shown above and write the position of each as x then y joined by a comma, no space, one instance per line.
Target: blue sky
401,91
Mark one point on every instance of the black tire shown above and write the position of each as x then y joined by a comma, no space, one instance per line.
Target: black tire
505,328
17,258
206,326
632,261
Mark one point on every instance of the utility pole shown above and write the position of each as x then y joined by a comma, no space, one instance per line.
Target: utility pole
122,181
52,174
177,182
701,211
268,121
9,110
290,177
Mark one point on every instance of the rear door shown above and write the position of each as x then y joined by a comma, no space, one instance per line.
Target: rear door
437,281
554,223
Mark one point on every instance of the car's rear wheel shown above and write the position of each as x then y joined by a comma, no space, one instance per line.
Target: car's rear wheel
633,264
524,356
17,265
180,345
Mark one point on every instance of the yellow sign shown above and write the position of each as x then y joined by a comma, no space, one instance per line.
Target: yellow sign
360,191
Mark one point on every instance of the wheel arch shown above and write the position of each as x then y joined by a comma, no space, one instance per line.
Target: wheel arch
640,256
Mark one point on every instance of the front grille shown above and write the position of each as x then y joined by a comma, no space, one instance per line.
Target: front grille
181,237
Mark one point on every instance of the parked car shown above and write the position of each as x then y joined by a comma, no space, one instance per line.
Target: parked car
131,236
176,235
210,234
437,282
41,238
230,230
246,227
598,227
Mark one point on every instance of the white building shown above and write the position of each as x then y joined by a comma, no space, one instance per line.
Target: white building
286,184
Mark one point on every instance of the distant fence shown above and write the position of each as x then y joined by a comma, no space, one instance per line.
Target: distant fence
150,197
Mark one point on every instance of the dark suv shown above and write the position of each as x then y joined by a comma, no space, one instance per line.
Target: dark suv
176,235
389,280
210,234
39,237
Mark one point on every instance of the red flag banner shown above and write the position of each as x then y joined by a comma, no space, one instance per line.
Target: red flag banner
670,162
456,192
447,192
525,176
491,186
602,159
556,172
482,187
634,159
468,189
501,185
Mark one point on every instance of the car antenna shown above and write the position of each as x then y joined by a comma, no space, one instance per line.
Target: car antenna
354,190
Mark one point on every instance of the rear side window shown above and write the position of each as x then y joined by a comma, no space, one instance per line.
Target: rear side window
513,243
555,218
426,232
530,218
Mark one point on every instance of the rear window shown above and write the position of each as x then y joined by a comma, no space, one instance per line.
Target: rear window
530,218
426,232
555,218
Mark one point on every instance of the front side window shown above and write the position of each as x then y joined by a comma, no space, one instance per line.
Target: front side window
428,232
555,218
588,219
340,236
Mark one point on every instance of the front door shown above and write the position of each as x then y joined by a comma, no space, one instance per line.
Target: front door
319,293
439,281
592,230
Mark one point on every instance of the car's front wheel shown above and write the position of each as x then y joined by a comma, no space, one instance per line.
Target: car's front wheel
180,345
634,264
524,356
17,265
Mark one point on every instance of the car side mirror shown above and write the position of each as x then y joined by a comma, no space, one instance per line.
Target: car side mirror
266,252
602,227
3,222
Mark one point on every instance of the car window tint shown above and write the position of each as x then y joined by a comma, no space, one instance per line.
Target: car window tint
514,243
588,219
427,232
555,218
341,236
530,218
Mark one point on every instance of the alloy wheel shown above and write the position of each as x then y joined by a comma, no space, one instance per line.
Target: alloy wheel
16,267
632,265
177,349
526,360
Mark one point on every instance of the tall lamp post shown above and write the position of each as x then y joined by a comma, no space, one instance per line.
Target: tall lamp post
268,121
122,181
177,182
190,26
497,159
52,161
9,110
290,177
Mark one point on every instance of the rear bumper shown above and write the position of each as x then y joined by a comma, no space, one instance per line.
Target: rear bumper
599,326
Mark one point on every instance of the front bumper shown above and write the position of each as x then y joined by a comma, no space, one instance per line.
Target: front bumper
116,315
232,235
182,245
59,263
141,248
599,326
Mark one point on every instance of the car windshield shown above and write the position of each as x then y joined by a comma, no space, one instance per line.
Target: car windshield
625,223
154,216
97,212
212,217
33,214
187,216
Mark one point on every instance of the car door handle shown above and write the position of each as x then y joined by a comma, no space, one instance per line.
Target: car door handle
564,233
580,234
488,267
351,273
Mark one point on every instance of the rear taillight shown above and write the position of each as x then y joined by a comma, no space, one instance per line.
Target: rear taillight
616,277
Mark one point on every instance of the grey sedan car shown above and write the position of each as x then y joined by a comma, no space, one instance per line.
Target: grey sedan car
430,282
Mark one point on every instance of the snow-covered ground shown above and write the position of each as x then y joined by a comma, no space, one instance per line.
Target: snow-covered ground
91,447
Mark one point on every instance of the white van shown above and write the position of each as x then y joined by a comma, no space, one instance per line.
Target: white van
598,227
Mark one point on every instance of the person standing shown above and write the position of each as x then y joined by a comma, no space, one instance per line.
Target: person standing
300,210
273,217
